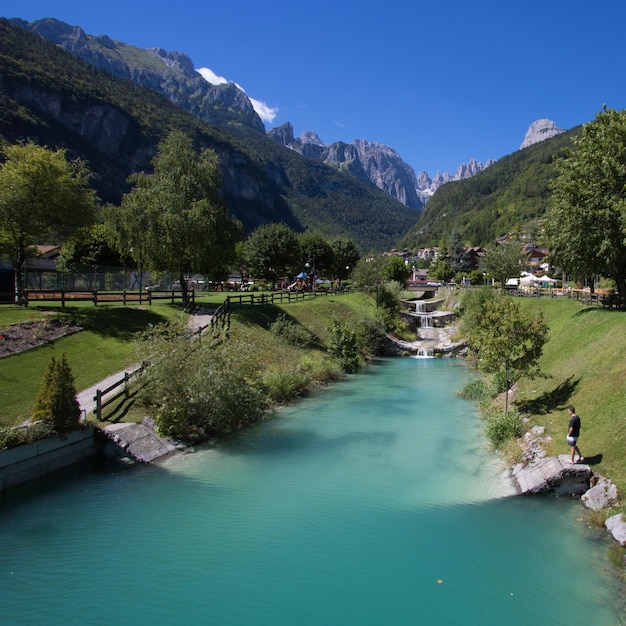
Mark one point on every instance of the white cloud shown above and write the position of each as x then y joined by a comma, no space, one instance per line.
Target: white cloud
264,111
210,76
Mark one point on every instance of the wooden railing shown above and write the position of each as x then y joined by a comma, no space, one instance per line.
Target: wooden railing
220,318
101,403
64,296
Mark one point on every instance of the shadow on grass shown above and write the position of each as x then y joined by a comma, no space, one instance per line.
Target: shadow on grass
596,459
119,409
116,322
551,400
598,309
265,315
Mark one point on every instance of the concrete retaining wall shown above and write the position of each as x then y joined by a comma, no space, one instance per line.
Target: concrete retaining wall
30,461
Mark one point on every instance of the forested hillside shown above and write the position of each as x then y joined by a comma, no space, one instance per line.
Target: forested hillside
53,98
510,194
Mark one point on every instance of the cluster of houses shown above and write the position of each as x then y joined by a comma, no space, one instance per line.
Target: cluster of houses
46,264
535,264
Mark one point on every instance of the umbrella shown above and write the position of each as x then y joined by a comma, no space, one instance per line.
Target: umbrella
302,275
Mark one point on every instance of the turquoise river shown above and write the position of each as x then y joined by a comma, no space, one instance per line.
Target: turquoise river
375,501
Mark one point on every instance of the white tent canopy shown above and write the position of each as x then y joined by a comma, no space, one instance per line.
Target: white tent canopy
530,280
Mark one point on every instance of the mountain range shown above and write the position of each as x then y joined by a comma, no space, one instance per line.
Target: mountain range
173,75
52,97
112,116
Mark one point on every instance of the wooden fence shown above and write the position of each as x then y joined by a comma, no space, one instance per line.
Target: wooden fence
221,316
101,403
600,297
220,319
64,296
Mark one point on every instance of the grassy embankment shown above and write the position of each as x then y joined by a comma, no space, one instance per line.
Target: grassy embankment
584,364
106,345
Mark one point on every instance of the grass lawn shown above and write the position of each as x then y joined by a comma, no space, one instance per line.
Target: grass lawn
106,345
584,364
103,348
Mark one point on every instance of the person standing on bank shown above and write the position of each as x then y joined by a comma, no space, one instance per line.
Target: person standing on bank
573,432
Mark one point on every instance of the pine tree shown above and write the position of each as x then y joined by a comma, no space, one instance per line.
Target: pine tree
56,399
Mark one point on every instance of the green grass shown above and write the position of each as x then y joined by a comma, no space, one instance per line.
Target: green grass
584,361
584,364
106,345
103,348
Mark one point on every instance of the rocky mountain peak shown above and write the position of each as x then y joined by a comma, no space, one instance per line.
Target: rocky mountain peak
540,130
308,136
176,61
173,75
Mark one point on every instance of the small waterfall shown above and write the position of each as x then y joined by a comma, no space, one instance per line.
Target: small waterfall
425,353
425,317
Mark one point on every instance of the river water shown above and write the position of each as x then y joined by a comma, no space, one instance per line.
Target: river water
375,501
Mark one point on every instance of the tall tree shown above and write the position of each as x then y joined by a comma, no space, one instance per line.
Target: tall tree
506,341
174,219
272,250
317,252
346,255
43,199
503,261
456,252
394,268
585,224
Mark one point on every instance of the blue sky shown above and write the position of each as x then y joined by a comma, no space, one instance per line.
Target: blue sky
440,82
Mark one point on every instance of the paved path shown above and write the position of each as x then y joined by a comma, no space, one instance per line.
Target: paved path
86,397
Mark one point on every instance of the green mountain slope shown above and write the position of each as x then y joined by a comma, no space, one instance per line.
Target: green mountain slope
56,99
509,194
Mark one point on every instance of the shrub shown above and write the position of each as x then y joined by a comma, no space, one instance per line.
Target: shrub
56,402
372,336
501,426
477,390
13,437
285,386
344,347
202,387
290,332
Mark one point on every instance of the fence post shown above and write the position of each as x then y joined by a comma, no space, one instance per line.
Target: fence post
126,377
98,400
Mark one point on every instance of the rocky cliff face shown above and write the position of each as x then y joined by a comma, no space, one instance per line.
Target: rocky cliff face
426,186
539,131
170,73
366,160
375,163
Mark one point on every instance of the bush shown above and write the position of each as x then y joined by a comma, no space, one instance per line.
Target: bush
344,347
477,390
286,386
290,332
56,401
202,387
13,437
501,427
372,336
